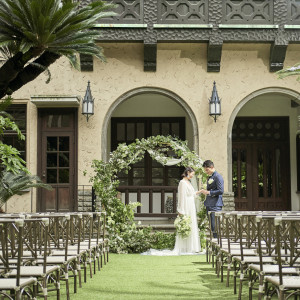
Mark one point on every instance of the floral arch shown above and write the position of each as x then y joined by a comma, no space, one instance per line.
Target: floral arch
166,150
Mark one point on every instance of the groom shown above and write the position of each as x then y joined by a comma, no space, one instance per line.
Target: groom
214,191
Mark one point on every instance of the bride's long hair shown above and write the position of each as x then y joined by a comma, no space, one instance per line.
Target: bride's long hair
187,171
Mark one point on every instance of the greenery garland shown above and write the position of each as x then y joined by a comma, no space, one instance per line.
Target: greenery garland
125,236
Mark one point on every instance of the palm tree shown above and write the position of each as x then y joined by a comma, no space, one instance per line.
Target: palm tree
14,184
35,33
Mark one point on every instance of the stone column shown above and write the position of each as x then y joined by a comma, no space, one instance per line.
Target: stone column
85,201
228,200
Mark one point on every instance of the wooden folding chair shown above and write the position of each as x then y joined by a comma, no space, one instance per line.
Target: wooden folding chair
287,236
11,245
35,242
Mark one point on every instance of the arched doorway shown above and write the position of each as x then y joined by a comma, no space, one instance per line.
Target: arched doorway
138,114
143,91
262,134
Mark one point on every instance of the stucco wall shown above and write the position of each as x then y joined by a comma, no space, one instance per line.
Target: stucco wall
181,68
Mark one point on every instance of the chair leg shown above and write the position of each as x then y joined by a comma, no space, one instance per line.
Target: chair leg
66,274
94,259
98,259
221,266
104,256
78,266
281,294
206,247
90,264
261,287
18,295
213,256
35,289
241,281
84,267
217,264
234,277
75,281
57,286
251,274
44,286
266,290
228,270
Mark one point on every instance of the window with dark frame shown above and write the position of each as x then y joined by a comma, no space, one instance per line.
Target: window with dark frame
147,172
10,137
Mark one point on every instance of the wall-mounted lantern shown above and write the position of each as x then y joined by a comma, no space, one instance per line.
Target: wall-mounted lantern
88,103
214,104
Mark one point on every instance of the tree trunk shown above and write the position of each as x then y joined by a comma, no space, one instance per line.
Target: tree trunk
9,71
30,72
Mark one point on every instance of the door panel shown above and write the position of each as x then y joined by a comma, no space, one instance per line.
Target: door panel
64,194
272,191
241,179
57,155
260,164
50,200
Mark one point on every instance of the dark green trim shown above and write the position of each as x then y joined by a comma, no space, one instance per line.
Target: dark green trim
186,26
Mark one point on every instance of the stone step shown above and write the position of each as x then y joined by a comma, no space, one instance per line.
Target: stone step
170,228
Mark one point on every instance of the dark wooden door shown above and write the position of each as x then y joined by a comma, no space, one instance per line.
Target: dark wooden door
261,164
57,159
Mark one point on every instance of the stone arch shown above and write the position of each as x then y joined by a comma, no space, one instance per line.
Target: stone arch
275,90
145,90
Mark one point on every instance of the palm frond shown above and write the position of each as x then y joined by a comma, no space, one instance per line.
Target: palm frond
8,49
14,184
46,24
4,104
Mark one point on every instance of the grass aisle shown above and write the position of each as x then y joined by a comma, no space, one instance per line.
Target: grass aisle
137,277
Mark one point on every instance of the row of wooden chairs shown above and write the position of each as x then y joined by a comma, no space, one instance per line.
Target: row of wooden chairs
259,247
38,251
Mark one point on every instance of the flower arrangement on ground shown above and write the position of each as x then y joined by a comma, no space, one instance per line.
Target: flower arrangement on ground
183,225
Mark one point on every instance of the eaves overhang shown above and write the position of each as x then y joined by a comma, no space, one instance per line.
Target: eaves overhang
55,101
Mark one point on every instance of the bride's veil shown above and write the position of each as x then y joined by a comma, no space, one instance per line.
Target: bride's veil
194,183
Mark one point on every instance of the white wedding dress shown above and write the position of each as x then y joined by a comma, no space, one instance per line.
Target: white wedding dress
186,206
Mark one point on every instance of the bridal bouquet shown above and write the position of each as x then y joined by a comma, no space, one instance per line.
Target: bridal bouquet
183,226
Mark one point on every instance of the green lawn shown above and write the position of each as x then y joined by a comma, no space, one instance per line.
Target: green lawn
137,277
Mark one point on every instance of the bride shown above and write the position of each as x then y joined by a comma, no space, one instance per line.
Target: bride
186,206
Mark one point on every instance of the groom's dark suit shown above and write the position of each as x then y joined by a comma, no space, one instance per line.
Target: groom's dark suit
214,201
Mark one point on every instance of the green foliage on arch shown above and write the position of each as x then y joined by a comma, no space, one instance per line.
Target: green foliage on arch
125,237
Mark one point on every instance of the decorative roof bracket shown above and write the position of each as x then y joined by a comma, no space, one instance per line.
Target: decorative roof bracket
214,54
150,53
277,56
86,63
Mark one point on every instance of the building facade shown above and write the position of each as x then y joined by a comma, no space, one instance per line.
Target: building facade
162,59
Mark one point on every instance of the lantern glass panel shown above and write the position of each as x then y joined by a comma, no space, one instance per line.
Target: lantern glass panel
218,109
212,109
84,107
90,108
